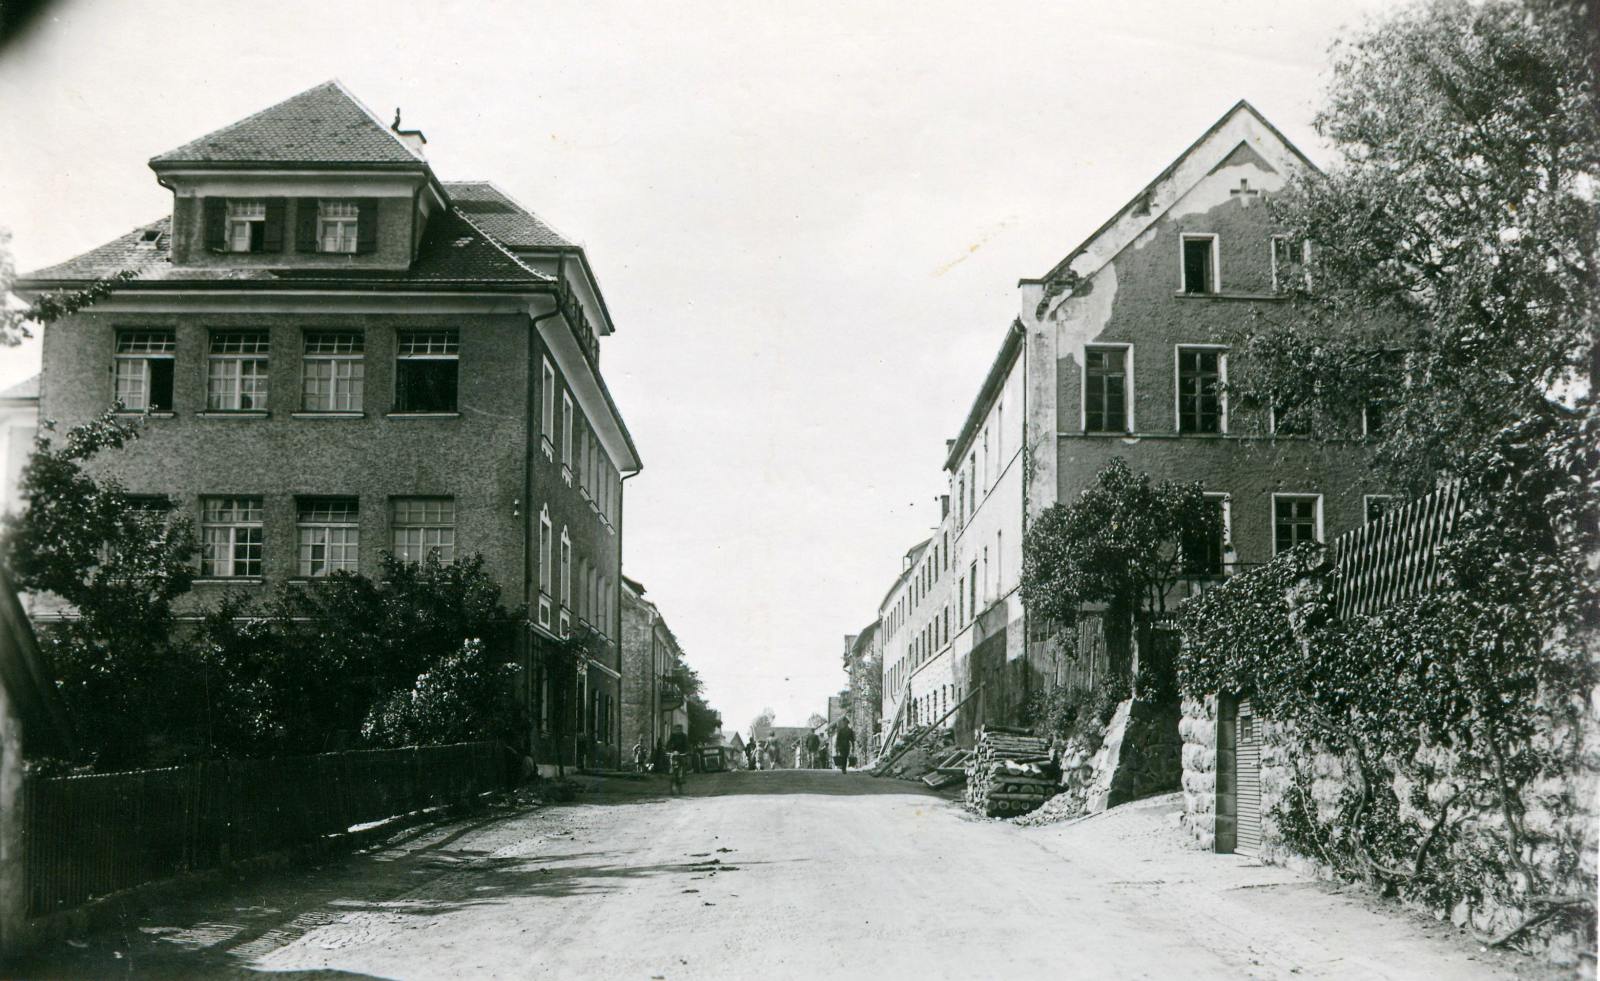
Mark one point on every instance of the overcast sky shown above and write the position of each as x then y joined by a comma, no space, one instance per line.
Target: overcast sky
808,221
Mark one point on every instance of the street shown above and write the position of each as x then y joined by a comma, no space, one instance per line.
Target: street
780,875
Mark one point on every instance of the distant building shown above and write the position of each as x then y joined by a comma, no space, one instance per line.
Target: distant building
19,424
339,355
863,665
652,703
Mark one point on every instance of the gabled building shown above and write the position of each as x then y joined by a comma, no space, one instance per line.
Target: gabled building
1120,350
863,665
340,355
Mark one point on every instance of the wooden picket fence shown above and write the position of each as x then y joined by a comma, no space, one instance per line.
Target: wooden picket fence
1395,557
92,835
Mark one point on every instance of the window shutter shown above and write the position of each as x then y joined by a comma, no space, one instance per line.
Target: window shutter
305,225
272,233
215,214
367,225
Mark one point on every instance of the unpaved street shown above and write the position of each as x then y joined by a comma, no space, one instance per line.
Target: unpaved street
785,875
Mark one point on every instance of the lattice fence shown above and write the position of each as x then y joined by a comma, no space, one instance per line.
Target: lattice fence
1395,557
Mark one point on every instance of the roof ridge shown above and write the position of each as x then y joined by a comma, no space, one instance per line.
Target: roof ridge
1242,105
376,119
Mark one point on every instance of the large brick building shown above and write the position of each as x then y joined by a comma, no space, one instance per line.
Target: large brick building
341,355
1120,350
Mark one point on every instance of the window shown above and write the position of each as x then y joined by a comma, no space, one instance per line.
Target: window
1200,264
333,372
988,462
961,501
1206,555
566,571
236,371
1296,518
330,535
1200,378
1105,390
566,434
337,222
247,224
999,563
1288,421
422,525
1289,254
1388,375
972,483
142,369
547,410
546,583
1375,506
230,537
426,368
972,592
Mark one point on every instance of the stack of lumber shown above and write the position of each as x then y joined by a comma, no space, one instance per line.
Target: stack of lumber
1010,773
948,770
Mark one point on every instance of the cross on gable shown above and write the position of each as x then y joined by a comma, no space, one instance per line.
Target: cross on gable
1244,192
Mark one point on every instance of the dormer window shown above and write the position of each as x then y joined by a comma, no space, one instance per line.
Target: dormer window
244,224
337,222
247,223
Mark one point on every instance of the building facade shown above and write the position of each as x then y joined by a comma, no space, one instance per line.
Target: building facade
338,355
19,424
1120,350
651,702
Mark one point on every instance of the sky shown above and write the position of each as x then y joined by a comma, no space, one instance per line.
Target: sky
808,221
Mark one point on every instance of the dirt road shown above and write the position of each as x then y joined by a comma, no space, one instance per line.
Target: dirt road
785,875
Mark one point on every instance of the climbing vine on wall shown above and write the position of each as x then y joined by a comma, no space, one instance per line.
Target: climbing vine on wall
1457,716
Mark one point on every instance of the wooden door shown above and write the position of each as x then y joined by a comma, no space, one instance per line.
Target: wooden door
1247,781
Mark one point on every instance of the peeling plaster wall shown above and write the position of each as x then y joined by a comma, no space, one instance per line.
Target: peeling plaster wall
1135,299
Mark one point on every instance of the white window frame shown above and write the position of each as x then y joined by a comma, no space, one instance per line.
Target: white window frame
1229,554
1083,386
1366,504
1222,384
133,364
436,344
546,560
335,217
241,215
444,532
227,367
547,411
316,518
1216,262
1305,260
566,574
346,361
221,538
1272,518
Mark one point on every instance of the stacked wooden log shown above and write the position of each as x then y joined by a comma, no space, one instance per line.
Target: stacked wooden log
1010,773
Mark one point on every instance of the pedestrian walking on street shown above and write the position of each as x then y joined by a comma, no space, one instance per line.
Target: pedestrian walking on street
844,739
638,756
813,744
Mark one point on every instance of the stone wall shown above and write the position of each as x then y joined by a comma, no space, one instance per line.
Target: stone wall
1198,729
1566,807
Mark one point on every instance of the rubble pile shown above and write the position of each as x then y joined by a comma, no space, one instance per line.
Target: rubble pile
1010,773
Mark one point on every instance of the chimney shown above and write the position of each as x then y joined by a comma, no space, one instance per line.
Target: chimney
412,138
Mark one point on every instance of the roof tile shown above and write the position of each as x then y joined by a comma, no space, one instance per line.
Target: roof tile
497,213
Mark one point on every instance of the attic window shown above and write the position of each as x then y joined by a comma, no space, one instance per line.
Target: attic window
1200,264
247,222
149,238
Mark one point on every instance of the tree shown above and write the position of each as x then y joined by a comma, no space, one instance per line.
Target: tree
815,719
762,723
123,674
1450,292
704,721
14,321
465,696
1124,542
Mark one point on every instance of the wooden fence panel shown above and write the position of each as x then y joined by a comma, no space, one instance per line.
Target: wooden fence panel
1395,557
92,835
